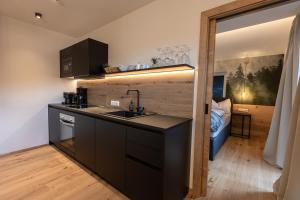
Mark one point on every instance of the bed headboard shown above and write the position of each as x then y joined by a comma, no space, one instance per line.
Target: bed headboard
219,99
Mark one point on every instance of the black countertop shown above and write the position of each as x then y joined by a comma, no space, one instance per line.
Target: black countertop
154,122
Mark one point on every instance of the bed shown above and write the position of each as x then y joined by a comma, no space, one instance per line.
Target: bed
220,134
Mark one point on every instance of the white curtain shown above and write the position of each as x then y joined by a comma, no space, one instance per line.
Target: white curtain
287,187
276,144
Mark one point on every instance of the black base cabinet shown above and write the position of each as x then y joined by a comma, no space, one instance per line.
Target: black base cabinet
54,125
110,152
143,164
84,136
157,163
142,181
85,140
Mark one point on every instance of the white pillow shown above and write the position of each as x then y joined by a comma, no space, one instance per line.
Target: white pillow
225,105
214,105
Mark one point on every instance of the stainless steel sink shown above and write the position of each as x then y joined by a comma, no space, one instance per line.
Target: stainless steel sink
125,114
80,106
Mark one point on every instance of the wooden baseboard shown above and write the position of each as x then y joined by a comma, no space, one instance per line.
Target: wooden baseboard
22,150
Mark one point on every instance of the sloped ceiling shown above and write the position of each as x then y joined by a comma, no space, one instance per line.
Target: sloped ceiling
71,17
259,40
257,33
258,17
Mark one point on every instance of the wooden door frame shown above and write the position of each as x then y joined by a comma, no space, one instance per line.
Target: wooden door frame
205,80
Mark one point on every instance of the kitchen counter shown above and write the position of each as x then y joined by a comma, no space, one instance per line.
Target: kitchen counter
154,122
122,150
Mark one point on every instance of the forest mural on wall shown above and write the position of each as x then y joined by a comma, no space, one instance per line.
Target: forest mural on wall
252,80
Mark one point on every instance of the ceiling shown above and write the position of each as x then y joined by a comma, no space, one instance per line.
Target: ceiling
71,17
258,17
259,40
256,33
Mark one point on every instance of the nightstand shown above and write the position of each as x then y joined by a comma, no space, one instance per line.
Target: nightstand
245,120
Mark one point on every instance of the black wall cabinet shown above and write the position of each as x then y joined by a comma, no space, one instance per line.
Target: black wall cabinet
83,59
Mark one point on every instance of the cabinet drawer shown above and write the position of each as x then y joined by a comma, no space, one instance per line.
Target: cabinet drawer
142,182
145,146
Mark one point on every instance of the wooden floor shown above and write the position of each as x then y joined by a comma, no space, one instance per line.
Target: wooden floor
239,173
45,173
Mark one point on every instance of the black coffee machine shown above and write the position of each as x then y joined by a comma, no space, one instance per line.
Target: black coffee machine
78,98
81,96
70,98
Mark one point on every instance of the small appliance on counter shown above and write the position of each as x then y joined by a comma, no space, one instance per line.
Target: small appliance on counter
70,98
79,98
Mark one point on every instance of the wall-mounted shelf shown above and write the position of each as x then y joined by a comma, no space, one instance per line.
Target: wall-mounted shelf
171,68
153,70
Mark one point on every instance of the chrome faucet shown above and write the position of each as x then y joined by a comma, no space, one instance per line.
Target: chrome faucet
139,109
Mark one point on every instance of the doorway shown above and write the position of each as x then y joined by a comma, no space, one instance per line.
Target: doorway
205,84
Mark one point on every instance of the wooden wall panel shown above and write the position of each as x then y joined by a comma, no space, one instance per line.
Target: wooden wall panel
165,93
261,118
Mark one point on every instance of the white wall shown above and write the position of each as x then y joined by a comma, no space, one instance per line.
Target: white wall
29,80
135,37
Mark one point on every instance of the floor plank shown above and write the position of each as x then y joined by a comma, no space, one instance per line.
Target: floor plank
45,173
239,172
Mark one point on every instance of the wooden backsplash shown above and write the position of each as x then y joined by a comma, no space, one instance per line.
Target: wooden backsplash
166,93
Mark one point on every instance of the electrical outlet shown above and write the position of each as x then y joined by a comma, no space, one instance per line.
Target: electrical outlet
115,103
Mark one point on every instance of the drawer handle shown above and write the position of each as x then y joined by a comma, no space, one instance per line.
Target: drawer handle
143,162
